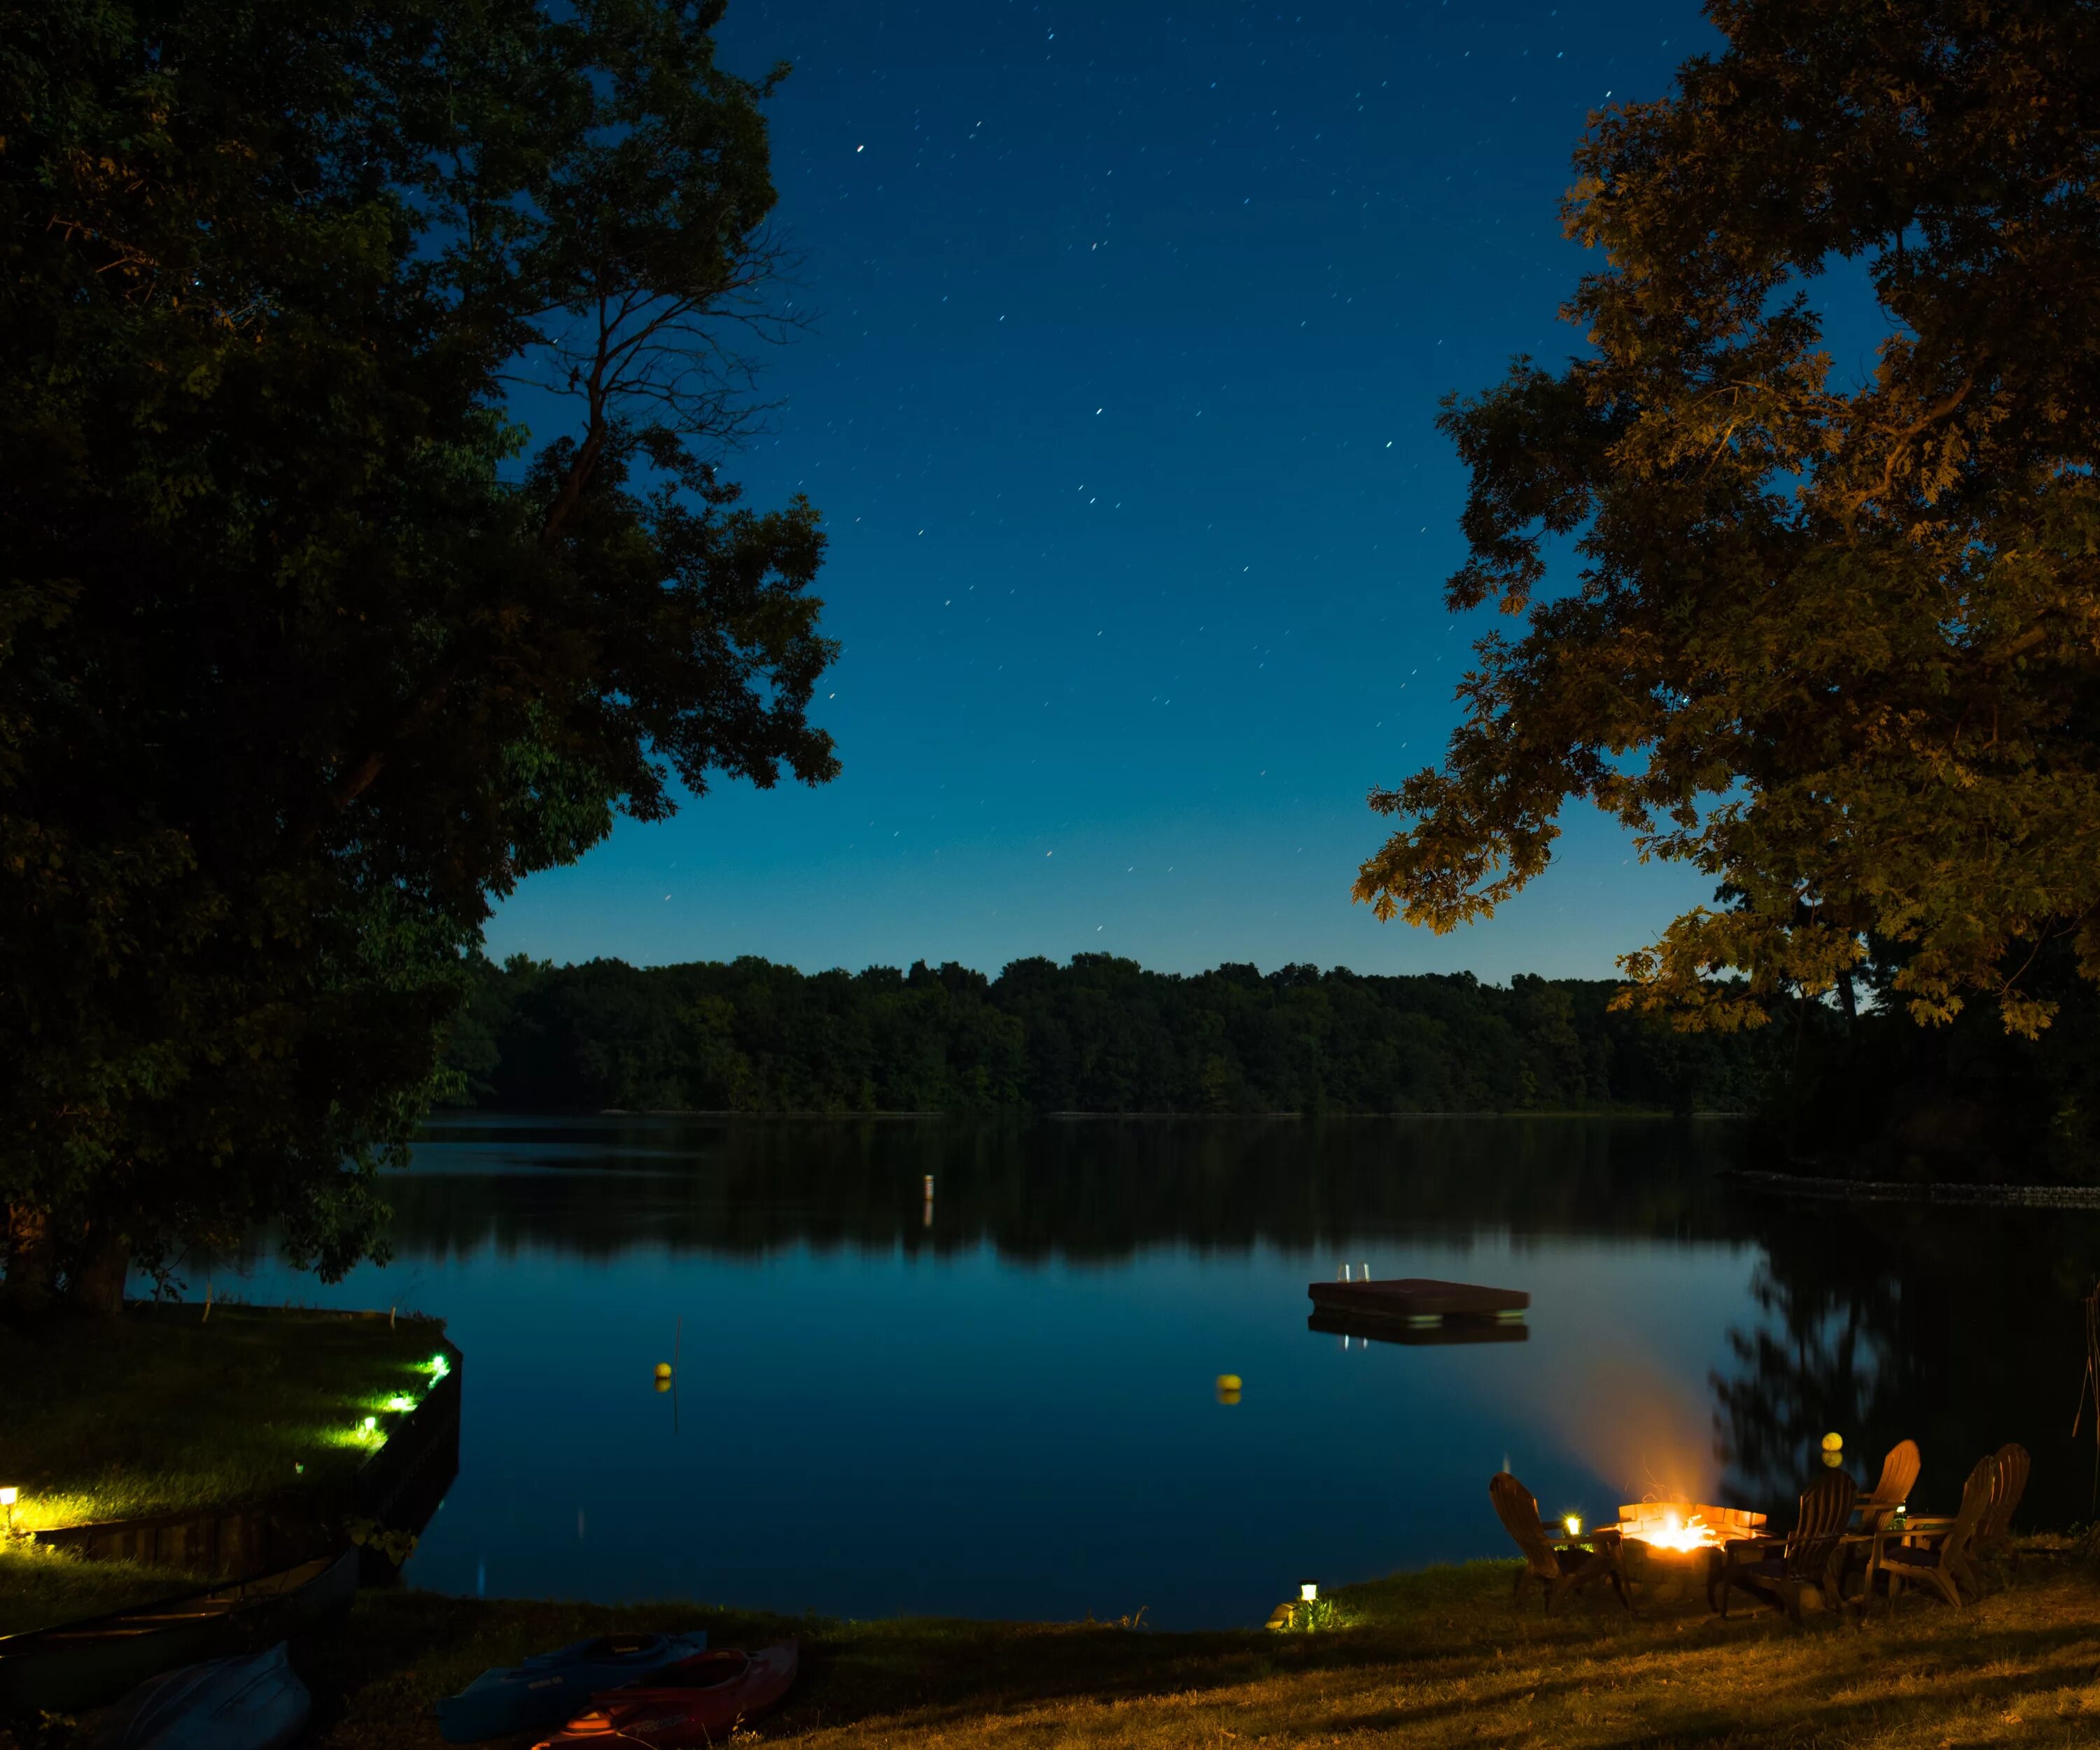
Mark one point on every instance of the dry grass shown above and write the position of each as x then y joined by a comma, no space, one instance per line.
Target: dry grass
1435,1658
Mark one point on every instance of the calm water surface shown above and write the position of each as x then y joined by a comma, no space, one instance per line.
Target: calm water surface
1008,1408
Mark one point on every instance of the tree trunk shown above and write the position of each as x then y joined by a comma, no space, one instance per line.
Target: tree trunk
33,1263
1847,1003
96,1284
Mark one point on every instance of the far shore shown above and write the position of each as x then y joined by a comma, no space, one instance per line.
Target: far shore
1014,1115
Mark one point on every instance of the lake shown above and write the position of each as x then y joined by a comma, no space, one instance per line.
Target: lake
1005,1405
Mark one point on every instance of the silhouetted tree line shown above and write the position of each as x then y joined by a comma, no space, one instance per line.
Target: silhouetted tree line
1099,1034
1878,1095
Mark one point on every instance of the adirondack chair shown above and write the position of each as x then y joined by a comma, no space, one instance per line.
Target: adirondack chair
1808,1556
1899,1472
1993,1541
1557,1564
1936,1552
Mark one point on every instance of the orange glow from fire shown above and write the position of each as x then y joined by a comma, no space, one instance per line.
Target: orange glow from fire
1675,1533
1683,1526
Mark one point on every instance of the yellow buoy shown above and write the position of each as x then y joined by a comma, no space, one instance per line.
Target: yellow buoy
662,1369
1229,1381
1834,1443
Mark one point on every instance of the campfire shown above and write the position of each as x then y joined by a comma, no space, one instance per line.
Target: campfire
1685,1526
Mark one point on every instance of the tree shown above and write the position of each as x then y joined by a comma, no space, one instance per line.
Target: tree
308,649
1835,641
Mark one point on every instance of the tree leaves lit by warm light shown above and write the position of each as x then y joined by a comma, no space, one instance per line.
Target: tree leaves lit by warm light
1834,641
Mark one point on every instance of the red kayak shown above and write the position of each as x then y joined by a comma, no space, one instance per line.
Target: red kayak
697,1702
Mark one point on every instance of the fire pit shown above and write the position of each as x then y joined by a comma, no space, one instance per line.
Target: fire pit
1673,1547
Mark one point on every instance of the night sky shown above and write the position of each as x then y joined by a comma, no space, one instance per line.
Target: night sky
1131,325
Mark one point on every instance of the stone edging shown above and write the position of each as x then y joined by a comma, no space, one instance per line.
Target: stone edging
1898,1190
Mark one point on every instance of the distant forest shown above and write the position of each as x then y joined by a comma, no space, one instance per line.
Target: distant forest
1101,1034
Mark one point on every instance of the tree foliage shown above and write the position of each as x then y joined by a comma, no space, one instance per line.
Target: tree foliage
306,649
1099,1034
1836,642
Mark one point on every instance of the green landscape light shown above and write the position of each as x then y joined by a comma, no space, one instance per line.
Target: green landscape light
439,1367
400,1401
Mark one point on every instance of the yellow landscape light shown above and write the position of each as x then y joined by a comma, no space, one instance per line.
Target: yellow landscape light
1573,1522
1307,1591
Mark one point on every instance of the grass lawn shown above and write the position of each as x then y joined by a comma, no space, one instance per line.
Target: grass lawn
159,1409
38,1589
1434,1658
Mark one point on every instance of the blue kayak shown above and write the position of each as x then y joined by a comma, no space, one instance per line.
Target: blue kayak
549,1687
254,1702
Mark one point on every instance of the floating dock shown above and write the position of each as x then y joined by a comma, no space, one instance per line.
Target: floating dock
1420,1309
1498,1330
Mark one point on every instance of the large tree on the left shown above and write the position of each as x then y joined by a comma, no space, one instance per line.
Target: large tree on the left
308,647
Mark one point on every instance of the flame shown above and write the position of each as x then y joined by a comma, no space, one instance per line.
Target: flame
1677,1533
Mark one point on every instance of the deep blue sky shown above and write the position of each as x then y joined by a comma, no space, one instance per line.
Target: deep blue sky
1133,321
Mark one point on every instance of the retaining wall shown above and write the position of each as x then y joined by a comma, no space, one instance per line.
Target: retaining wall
399,1484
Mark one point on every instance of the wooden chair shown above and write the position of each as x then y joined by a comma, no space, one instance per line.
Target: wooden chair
1899,1472
1557,1564
1993,1541
1937,1551
1808,1556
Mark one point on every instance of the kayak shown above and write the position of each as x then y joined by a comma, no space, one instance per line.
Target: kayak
253,1702
72,1666
695,1702
549,1687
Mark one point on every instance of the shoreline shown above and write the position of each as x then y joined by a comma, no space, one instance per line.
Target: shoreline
1647,1113
1414,1662
1904,1191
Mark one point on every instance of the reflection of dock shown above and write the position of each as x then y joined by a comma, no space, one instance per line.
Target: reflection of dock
1420,1309
1454,1330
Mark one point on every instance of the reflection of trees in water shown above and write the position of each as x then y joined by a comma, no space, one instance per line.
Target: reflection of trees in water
1819,1362
1961,1329
1085,1189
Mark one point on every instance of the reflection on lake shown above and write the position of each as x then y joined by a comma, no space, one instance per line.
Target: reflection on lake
1008,1408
